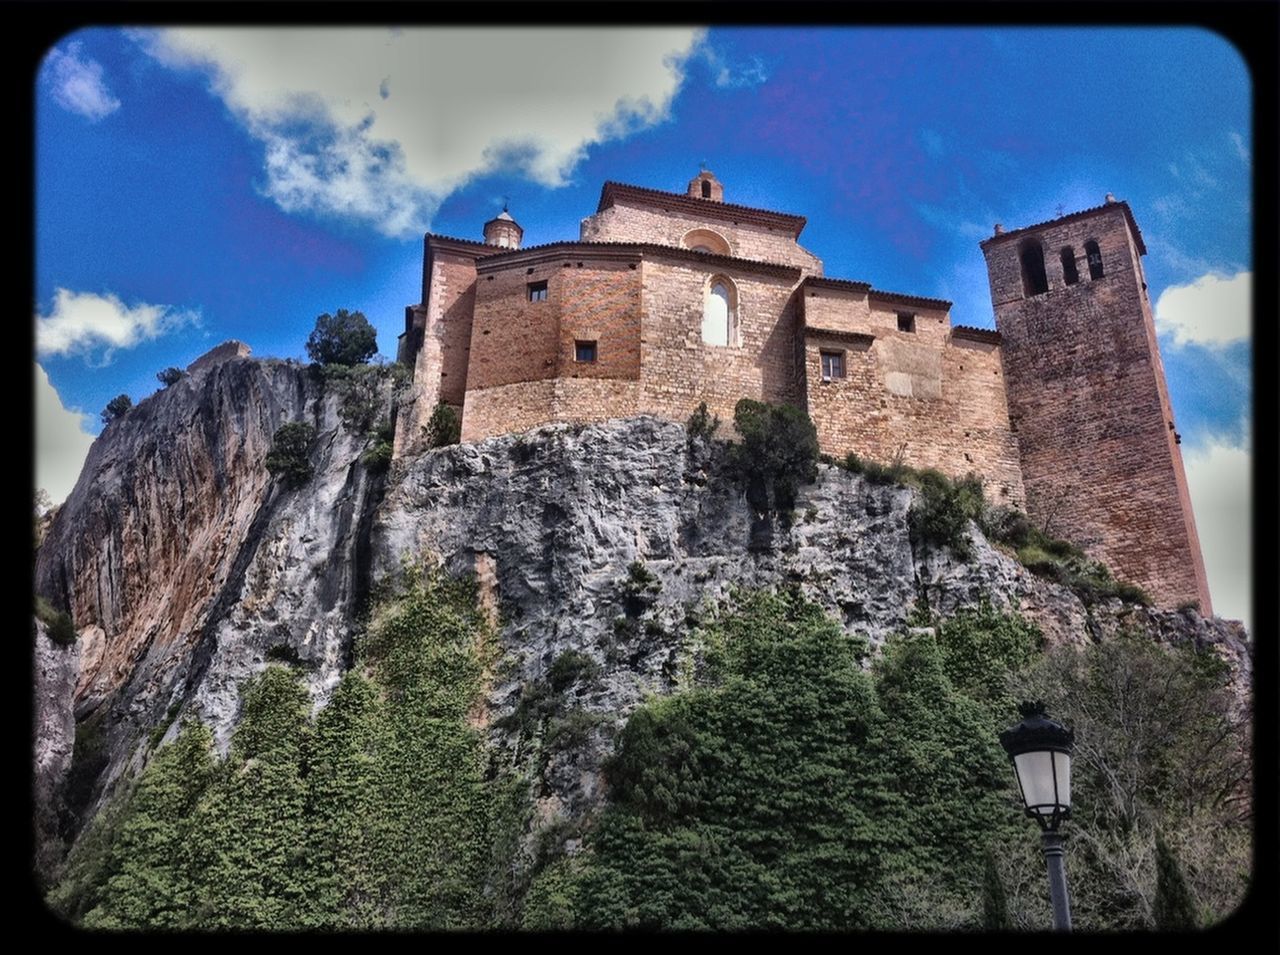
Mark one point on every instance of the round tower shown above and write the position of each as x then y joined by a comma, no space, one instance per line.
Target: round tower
503,231
705,185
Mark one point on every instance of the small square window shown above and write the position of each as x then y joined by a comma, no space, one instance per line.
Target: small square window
906,322
832,365
584,351
537,291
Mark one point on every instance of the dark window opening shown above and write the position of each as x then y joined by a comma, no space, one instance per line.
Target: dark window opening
906,322
1069,273
706,189
832,365
584,351
1094,255
1034,281
537,291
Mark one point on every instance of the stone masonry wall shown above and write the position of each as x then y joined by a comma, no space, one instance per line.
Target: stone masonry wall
506,409
441,364
1087,398
679,370
936,399
747,240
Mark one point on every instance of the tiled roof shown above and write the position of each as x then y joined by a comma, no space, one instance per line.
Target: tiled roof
1071,217
906,299
973,333
706,208
821,281
507,256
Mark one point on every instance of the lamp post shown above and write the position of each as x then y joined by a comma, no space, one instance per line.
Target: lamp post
1040,749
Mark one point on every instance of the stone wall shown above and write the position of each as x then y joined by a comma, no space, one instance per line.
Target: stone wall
1087,396
680,370
747,240
506,409
933,397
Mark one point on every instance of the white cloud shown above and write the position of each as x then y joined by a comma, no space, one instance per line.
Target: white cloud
62,440
1213,310
82,322
1218,479
381,125
1242,150
77,83
728,74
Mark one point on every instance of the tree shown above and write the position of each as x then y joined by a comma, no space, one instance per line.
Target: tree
1173,909
779,450
170,376
346,338
117,407
288,456
444,427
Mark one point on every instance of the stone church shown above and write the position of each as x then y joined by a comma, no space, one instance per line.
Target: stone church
670,299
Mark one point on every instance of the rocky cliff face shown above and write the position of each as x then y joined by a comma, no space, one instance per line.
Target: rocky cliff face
187,567
183,563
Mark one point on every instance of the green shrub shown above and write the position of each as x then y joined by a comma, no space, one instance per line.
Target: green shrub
444,427
640,589
702,425
116,408
779,451
58,624
346,338
941,513
288,458
570,667
170,376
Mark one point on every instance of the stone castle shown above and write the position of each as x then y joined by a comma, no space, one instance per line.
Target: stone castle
670,299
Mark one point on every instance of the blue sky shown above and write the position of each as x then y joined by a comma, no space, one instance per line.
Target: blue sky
195,186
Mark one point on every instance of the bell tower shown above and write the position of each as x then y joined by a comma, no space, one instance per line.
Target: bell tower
503,231
1100,452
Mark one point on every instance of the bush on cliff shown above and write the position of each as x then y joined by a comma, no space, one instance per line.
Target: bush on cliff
289,455
170,376
778,452
116,408
444,427
346,338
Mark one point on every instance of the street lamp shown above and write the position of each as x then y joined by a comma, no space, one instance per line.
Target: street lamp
1041,752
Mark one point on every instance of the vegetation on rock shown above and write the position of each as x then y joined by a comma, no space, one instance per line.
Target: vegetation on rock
117,408
444,427
289,457
170,376
346,338
778,453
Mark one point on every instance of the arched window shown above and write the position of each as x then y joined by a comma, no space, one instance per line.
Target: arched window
1094,255
704,240
706,189
1069,273
719,312
1034,281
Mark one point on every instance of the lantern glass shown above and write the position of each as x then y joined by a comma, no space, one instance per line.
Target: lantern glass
1045,778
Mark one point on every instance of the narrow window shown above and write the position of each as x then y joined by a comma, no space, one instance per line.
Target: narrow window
1034,281
1069,273
832,365
706,189
717,314
1094,255
906,322
584,351
537,291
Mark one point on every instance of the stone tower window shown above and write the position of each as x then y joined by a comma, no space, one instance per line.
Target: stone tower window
1034,280
906,322
1094,255
832,365
537,291
706,189
719,313
584,351
1069,273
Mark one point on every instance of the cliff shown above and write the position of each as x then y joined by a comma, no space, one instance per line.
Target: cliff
186,567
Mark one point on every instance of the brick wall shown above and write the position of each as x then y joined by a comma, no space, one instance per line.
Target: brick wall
505,409
747,240
441,364
1087,396
932,396
679,370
